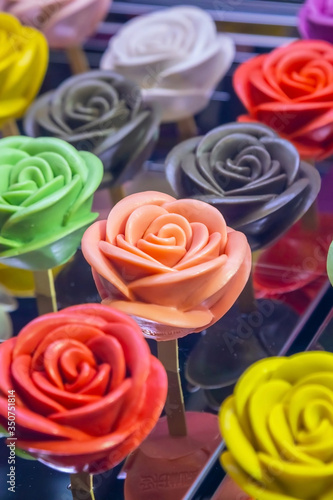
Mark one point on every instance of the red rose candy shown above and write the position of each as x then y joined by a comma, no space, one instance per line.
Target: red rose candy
291,90
87,389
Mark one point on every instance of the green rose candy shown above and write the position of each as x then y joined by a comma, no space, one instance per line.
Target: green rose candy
330,263
46,194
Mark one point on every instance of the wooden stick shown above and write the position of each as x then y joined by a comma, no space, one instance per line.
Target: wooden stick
117,193
10,128
45,292
187,128
77,60
310,220
82,486
174,406
246,300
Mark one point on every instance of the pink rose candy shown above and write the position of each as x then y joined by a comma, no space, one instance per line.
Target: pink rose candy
65,23
167,262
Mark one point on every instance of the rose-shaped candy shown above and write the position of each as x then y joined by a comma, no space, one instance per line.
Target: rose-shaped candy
316,20
46,193
23,63
101,112
65,23
247,172
291,90
175,55
87,389
278,428
169,261
330,263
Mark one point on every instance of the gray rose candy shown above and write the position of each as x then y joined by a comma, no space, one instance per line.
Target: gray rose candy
100,112
250,174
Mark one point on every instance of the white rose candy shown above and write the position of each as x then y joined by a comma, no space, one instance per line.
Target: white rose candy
175,55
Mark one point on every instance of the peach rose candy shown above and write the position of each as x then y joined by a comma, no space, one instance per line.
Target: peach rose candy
87,390
65,23
172,264
291,91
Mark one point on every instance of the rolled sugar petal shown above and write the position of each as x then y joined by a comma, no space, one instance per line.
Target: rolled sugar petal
315,20
103,113
252,176
23,64
166,261
291,90
46,194
175,55
278,428
87,389
65,23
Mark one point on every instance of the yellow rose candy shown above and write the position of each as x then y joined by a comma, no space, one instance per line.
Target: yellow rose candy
278,428
23,63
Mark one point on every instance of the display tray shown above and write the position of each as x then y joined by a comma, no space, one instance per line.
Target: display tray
293,314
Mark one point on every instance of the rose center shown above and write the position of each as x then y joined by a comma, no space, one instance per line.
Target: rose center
77,367
93,102
315,412
303,75
162,39
68,361
166,243
238,162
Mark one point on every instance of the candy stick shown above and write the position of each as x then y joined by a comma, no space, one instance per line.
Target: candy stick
310,218
82,486
117,193
187,128
246,301
77,60
174,406
10,128
45,292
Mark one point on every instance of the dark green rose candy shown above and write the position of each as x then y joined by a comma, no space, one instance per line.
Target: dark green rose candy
100,112
254,177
